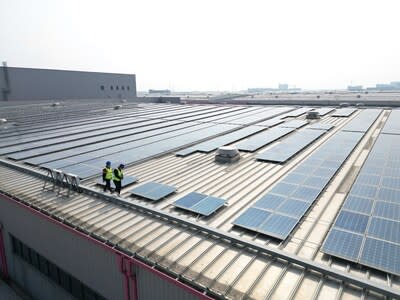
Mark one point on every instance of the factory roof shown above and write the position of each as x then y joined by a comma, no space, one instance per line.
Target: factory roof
207,247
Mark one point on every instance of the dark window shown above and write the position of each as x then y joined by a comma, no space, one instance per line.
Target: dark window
43,266
111,88
66,281
123,88
102,87
117,87
128,88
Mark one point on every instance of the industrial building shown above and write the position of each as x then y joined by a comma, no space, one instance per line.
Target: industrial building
224,201
43,84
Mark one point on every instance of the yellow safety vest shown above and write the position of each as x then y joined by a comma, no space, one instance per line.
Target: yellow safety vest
109,173
120,175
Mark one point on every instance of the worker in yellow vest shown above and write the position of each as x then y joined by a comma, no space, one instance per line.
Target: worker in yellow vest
118,176
107,176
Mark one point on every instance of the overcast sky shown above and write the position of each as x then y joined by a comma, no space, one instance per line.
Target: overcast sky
209,44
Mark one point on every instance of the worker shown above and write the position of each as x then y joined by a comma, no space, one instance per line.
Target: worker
107,176
118,176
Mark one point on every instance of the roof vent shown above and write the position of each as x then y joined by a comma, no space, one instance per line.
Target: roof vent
227,154
313,115
119,106
2,121
344,104
360,104
55,104
123,100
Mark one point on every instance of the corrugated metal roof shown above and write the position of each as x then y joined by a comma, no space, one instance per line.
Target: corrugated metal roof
202,259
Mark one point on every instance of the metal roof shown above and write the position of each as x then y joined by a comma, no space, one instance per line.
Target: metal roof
208,252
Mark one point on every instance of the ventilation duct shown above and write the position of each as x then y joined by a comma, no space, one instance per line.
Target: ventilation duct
227,154
313,115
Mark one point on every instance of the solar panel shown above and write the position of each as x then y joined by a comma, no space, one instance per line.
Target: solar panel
127,180
344,112
200,203
262,139
298,112
392,125
223,140
320,126
294,124
292,145
286,203
324,110
359,123
153,191
372,210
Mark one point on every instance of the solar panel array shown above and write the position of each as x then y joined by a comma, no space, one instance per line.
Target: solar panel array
279,210
223,140
392,125
127,180
294,124
298,112
344,112
363,121
324,110
367,228
200,203
153,191
320,126
292,145
262,139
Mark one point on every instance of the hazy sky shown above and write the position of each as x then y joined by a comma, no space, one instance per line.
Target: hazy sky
209,44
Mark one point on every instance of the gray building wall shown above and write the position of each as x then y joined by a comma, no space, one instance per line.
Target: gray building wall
44,84
88,262
91,264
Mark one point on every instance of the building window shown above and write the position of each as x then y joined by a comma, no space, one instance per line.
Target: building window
102,87
53,272
128,88
111,88
117,87
123,88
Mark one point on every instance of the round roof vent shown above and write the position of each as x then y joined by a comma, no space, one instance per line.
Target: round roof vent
313,115
227,154
119,106
2,121
55,104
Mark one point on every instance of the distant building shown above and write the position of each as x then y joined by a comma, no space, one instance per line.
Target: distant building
283,86
355,88
45,84
161,92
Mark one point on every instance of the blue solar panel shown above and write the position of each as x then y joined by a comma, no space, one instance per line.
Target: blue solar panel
344,112
270,201
293,195
386,210
292,145
343,244
128,180
372,208
392,125
363,121
351,221
200,203
381,255
358,204
262,139
294,124
153,191
208,205
388,230
252,218
293,207
190,199
278,226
